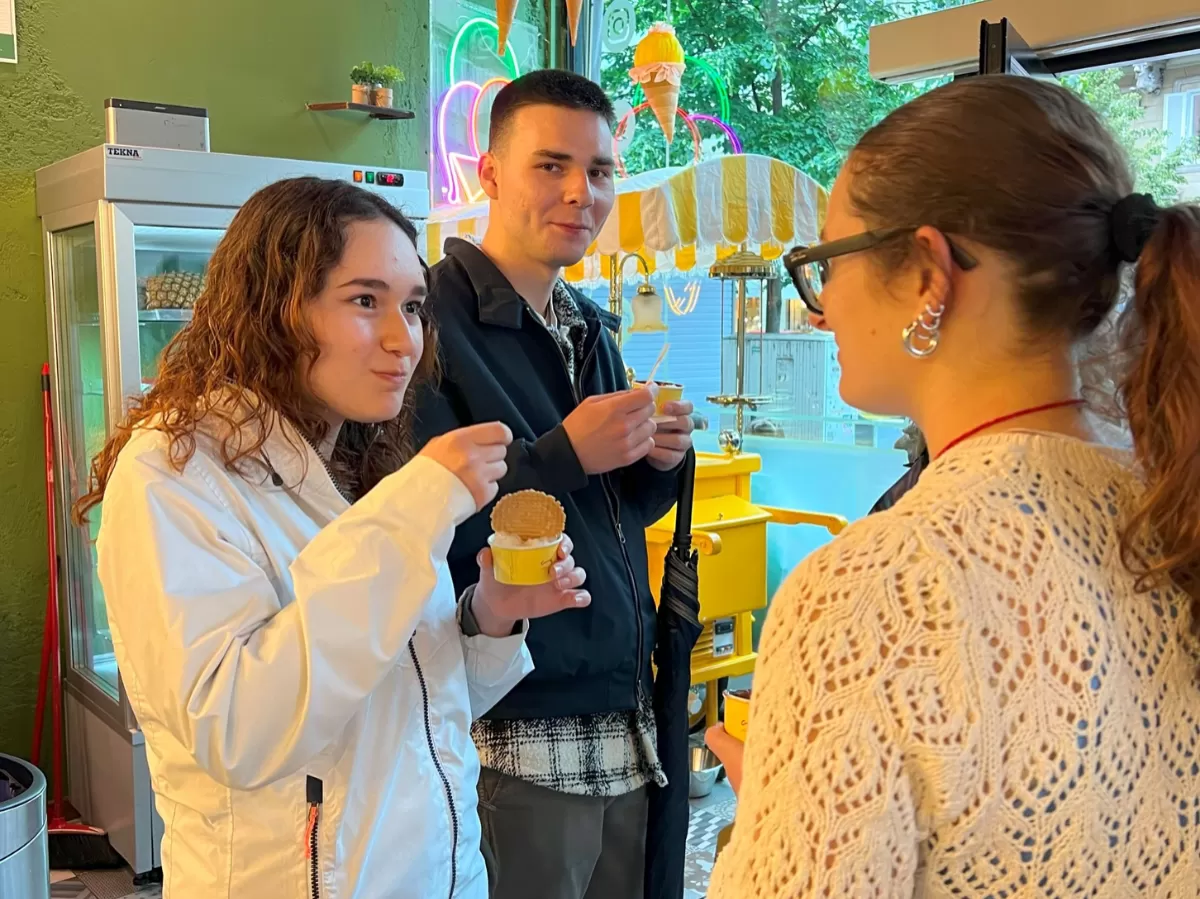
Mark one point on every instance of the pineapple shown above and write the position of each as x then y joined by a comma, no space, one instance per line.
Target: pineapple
173,290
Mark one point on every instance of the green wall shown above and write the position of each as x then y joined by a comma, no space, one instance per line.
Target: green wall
253,64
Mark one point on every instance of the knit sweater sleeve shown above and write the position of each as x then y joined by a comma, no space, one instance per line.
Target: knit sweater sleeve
858,720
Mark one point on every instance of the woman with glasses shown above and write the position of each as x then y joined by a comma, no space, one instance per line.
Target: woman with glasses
990,689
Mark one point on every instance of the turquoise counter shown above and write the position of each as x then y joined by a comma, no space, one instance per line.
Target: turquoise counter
814,477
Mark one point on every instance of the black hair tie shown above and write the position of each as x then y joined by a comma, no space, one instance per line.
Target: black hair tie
1132,221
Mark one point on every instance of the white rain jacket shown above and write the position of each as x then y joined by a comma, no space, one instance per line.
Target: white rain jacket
298,670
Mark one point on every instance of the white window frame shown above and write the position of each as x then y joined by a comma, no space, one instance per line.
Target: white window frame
1182,105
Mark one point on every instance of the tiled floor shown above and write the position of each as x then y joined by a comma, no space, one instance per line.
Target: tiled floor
709,816
98,885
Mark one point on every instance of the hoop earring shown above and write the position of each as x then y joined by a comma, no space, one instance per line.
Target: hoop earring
926,328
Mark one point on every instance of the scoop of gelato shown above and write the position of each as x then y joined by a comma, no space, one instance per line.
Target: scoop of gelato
514,541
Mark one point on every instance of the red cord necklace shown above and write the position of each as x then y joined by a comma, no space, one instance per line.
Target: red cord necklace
1021,413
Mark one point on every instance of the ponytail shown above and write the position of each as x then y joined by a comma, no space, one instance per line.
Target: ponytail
1161,397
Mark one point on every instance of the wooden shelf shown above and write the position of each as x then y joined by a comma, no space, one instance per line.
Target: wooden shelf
375,112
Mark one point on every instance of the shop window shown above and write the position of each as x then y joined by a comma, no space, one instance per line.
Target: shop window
466,70
776,81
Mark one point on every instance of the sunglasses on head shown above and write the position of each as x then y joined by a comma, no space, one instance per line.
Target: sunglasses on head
809,266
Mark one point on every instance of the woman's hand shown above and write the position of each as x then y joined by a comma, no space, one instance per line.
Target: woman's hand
498,607
729,750
475,455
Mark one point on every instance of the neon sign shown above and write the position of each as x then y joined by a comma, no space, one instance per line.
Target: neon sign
460,170
721,120
509,57
473,121
718,83
691,119
466,171
443,151
734,140
683,305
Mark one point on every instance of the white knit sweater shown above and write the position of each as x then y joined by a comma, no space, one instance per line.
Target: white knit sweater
965,697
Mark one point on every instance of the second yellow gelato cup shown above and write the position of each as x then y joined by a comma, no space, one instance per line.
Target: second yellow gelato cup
525,566
737,713
667,393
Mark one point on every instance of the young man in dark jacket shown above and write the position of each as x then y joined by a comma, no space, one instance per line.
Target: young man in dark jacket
568,755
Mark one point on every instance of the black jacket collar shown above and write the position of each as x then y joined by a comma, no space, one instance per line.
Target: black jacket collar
499,303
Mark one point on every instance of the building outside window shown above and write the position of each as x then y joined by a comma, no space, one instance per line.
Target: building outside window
1154,109
1181,118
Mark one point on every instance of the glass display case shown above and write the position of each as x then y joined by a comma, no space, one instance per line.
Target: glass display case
170,265
128,233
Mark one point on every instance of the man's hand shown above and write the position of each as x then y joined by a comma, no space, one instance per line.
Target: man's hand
673,438
729,750
613,430
475,455
498,607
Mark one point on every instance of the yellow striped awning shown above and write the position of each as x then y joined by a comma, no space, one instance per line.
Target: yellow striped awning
682,218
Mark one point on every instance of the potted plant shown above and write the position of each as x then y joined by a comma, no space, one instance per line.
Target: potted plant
386,79
362,83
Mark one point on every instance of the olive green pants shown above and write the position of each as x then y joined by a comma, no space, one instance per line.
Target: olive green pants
549,845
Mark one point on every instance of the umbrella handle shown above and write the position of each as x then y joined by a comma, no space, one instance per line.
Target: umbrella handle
687,493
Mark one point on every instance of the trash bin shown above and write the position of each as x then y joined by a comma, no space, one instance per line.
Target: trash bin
24,864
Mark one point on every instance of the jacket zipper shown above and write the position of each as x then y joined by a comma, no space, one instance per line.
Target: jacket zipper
613,501
328,470
314,790
614,514
437,763
277,478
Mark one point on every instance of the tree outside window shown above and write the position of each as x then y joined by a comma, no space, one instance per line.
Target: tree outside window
800,90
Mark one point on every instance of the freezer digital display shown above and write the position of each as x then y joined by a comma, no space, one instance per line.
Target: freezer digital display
384,179
389,179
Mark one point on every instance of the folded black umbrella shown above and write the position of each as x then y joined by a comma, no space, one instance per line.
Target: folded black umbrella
678,630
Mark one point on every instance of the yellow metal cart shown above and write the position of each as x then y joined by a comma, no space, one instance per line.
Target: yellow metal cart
730,532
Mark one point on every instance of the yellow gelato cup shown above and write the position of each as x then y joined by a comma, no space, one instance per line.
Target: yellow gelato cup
524,566
737,713
667,393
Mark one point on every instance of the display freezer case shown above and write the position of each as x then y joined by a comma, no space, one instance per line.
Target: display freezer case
128,232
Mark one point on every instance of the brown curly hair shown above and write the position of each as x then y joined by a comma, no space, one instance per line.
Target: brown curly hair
248,331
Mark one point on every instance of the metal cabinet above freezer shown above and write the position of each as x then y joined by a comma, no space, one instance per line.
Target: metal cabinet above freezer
128,233
187,178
